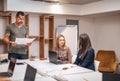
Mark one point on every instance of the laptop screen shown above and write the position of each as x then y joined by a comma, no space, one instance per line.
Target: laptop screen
53,57
30,73
11,65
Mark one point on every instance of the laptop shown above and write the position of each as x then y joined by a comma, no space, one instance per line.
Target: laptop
10,71
53,57
30,73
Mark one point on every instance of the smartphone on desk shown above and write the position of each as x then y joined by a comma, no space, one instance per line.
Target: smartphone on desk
20,63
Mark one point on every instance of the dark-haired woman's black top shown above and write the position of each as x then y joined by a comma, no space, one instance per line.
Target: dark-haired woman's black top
88,60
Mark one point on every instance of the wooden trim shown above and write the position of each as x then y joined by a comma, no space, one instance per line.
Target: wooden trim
51,32
41,41
9,16
49,40
36,37
27,24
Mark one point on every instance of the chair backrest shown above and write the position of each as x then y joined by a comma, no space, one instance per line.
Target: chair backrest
108,60
106,56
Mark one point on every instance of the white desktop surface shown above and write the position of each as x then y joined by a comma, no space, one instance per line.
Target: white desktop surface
19,73
51,69
90,76
72,73
71,69
47,71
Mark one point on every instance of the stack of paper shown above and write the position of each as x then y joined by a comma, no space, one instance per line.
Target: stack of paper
24,40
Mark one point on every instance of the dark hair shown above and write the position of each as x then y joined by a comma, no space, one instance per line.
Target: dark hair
84,44
20,13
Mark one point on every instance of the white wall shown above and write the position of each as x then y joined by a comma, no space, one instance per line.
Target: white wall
87,25
104,32
3,24
40,7
107,32
64,9
100,7
2,28
34,31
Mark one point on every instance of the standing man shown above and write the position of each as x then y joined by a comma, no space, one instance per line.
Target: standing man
13,31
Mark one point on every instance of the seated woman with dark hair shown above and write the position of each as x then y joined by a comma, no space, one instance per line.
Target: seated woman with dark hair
85,56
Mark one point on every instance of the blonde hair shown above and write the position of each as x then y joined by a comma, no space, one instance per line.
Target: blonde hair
57,42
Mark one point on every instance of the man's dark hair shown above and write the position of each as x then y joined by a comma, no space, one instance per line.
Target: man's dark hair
20,13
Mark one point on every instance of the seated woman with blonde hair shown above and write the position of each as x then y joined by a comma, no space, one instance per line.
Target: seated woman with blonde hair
63,51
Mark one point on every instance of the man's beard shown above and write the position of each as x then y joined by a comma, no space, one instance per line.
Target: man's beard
20,22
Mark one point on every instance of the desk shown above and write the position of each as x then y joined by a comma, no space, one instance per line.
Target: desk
51,69
19,73
51,72
90,76
72,73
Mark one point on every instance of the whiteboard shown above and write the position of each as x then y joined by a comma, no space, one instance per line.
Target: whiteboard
70,33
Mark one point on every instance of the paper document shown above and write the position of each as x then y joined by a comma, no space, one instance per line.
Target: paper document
24,40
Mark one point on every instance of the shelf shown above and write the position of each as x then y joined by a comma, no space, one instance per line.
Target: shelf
41,35
50,39
36,37
51,32
8,18
5,15
27,24
41,40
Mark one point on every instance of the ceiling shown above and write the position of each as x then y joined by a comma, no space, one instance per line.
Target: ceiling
77,2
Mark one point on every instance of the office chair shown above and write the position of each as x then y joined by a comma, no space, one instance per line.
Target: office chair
108,61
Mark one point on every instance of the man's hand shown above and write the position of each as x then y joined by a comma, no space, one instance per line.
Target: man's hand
28,44
13,43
